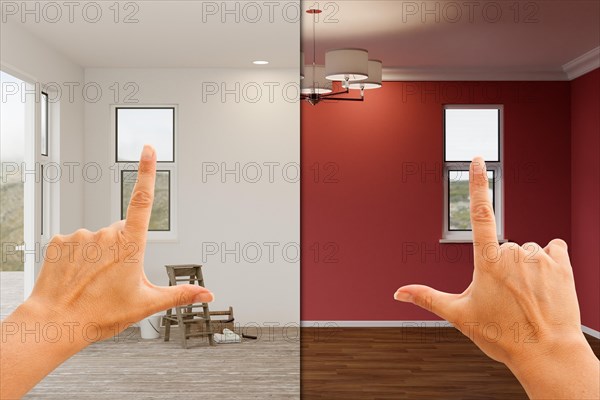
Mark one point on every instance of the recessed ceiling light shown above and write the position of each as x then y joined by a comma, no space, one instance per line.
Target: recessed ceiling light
260,62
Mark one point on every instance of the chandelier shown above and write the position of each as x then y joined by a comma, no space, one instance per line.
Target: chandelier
351,67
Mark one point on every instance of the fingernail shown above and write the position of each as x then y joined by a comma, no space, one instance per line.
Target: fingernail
402,296
147,153
204,297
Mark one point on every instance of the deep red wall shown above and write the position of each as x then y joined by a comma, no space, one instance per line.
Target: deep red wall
372,215
585,194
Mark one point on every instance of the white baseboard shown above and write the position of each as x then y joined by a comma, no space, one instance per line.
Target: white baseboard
400,324
590,331
374,324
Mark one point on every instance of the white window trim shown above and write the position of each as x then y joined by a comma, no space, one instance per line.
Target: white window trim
449,236
117,167
50,190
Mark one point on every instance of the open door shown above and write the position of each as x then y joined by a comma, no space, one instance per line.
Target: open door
24,200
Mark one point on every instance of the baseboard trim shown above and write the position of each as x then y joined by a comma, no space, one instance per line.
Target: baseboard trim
374,324
590,331
401,324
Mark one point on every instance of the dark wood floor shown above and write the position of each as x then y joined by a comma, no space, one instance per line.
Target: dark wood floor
401,363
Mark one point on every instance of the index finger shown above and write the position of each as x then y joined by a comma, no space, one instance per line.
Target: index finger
142,197
483,220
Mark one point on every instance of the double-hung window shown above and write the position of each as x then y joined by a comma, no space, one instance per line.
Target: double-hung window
135,127
469,131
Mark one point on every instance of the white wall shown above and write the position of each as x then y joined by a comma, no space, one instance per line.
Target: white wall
30,59
210,130
27,57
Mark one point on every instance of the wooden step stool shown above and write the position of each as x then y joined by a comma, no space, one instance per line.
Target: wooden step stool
187,316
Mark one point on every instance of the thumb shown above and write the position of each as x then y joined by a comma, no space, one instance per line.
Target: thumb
180,295
432,300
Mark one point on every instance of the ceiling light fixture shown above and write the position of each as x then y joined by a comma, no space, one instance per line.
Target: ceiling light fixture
351,67
260,62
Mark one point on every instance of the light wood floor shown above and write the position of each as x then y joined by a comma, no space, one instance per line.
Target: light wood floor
402,363
340,363
132,368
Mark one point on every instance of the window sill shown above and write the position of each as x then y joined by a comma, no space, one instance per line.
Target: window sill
451,241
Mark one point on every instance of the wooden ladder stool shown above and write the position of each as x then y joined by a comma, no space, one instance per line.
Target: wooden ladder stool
186,316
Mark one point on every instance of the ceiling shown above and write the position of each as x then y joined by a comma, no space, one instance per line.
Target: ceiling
495,39
165,33
430,39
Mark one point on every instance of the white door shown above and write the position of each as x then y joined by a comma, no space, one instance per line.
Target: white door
25,193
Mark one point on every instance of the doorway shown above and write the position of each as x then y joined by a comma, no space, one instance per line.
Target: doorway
24,143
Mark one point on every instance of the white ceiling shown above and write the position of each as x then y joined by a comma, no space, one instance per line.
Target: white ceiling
534,39
171,34
530,37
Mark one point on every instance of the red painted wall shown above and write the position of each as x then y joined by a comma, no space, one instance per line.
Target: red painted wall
585,194
372,191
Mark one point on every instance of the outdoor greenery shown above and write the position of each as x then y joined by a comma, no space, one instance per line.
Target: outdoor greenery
11,222
11,213
460,215
159,220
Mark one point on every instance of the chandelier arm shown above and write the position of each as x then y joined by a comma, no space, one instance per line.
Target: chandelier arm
335,93
330,98
343,99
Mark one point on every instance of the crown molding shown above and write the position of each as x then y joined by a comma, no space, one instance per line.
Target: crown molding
571,70
583,64
444,74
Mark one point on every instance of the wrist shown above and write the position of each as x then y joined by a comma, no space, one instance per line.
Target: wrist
36,323
35,340
546,364
532,355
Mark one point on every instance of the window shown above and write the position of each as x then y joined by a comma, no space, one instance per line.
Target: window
44,123
469,131
459,218
137,126
160,219
133,128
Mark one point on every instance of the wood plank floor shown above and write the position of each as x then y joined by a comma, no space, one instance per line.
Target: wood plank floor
132,368
401,363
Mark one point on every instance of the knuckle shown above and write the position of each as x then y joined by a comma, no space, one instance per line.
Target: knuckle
102,232
481,180
57,240
509,247
146,168
482,212
558,243
184,296
81,234
425,302
531,247
141,198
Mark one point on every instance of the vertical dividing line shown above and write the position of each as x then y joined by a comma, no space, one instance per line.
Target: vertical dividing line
314,52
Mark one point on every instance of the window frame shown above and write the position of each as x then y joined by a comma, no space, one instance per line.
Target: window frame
48,190
44,100
466,236
129,107
118,166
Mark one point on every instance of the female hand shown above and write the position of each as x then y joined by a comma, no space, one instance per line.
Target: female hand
92,286
521,307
